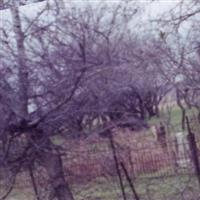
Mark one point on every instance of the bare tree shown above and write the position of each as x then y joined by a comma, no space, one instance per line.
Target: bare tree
47,66
181,26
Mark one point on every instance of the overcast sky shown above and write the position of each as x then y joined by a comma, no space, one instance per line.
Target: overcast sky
152,9
157,7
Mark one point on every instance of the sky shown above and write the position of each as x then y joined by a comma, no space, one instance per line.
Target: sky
161,6
153,9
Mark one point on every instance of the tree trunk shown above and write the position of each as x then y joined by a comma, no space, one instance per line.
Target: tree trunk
51,161
21,60
157,111
150,111
179,103
198,116
54,167
141,107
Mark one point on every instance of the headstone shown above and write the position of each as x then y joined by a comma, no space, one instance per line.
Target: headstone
182,148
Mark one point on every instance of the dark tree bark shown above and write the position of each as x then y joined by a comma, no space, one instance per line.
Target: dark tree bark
54,167
52,161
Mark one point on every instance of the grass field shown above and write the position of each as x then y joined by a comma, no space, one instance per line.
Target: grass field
183,187
180,187
172,117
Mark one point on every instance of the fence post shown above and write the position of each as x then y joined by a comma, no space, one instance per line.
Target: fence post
194,150
130,181
117,166
35,188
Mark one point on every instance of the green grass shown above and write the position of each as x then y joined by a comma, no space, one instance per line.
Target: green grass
173,118
147,186
166,188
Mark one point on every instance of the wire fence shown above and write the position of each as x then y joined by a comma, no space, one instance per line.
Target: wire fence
128,165
147,162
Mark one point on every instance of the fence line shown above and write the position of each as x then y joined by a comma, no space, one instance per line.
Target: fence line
142,157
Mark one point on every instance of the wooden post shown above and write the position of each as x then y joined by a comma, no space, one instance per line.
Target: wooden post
194,150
